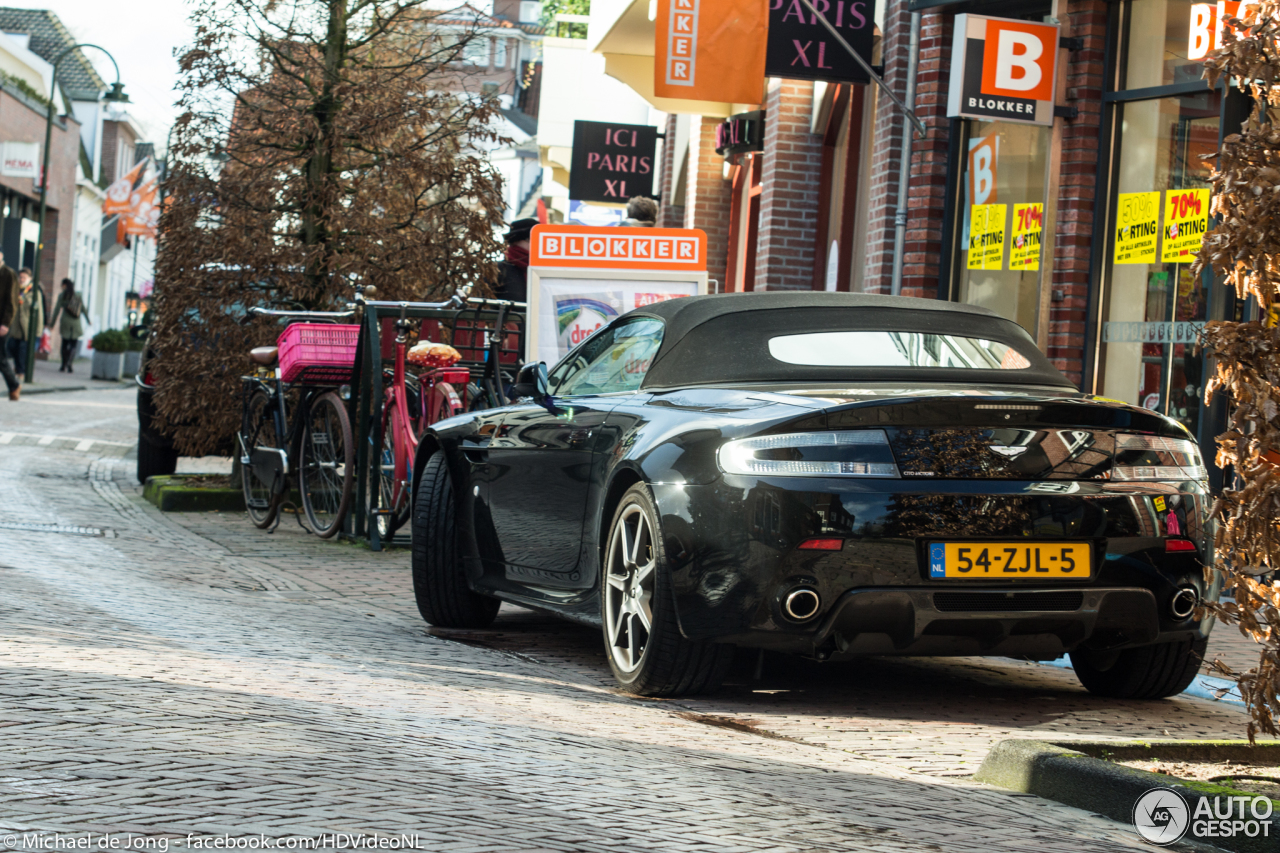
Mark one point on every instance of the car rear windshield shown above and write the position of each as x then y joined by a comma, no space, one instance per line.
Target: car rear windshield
848,344
895,349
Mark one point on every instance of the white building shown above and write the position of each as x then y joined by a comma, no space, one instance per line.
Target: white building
576,87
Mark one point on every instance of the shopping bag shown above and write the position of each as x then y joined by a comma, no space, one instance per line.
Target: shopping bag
46,342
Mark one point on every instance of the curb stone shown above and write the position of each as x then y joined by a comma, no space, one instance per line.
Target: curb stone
1069,776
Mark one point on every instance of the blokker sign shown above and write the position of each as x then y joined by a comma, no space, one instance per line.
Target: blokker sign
1003,69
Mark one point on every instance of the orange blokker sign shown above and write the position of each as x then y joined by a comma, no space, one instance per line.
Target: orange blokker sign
618,248
711,50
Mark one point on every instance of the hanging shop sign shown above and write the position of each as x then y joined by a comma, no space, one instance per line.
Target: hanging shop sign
1186,218
986,236
1003,69
611,162
740,134
1137,228
20,160
1028,231
710,50
803,49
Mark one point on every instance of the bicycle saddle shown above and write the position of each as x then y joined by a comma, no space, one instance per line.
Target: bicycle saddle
266,356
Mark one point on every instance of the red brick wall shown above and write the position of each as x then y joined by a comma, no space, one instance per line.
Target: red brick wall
886,151
21,123
926,200
1080,148
707,204
790,193
671,211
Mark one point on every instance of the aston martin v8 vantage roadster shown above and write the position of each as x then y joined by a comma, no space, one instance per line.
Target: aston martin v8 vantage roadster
827,475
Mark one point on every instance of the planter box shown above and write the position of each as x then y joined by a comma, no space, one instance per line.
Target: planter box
174,494
132,360
107,365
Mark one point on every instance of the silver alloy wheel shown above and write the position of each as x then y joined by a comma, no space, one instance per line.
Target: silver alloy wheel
629,587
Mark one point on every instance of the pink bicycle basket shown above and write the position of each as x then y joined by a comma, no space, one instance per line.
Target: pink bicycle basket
318,353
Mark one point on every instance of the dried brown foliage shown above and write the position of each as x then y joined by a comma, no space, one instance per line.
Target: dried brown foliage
1244,247
322,142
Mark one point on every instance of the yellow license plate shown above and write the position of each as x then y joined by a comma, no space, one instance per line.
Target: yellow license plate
1010,560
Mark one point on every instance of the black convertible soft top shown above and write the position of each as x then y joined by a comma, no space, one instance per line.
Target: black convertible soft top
725,338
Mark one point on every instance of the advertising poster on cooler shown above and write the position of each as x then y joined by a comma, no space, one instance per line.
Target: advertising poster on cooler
1028,230
1137,228
1186,218
571,309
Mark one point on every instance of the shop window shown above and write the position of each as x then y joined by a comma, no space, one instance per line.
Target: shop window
1154,307
1001,219
1160,36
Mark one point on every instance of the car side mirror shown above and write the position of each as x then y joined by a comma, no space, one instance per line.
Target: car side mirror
532,381
139,332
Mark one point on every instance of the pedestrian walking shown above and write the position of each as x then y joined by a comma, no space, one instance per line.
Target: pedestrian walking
66,313
16,342
8,307
642,212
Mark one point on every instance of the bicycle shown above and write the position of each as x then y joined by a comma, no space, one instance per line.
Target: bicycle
317,443
438,397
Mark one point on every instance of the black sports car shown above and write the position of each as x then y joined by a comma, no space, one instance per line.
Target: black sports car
828,475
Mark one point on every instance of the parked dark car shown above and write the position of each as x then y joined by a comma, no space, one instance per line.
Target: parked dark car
157,456
828,475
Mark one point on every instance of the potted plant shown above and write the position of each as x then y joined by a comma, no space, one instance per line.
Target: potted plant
109,347
133,355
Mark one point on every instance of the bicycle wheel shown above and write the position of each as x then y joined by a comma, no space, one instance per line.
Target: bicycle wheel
443,402
389,477
258,431
327,465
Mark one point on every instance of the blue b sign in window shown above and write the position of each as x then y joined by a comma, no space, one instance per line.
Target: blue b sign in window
937,560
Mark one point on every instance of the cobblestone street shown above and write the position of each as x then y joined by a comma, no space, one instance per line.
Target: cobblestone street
186,674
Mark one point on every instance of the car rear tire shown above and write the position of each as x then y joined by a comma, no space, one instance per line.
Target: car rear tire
153,460
647,653
1146,672
439,579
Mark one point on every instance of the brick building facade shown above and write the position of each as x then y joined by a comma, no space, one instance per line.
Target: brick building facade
814,207
22,119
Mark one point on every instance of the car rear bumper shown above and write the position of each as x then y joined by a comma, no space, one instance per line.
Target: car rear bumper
733,547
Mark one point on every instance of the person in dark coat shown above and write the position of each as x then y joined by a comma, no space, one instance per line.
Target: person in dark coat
8,307
513,273
66,314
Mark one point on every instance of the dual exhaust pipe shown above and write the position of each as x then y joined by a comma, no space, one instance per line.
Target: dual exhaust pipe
802,603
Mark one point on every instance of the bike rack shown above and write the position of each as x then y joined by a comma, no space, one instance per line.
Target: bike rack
364,405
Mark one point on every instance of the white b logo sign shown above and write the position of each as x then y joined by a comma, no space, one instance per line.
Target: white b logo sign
1016,66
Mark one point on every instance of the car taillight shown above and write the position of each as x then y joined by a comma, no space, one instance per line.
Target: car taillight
1175,545
821,545
148,379
1156,457
849,453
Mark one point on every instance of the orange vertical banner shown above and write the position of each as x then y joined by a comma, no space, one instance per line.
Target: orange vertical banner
711,50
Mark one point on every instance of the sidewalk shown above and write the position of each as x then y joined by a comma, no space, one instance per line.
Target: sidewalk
48,380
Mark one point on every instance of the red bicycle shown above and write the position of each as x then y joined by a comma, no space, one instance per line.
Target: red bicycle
410,405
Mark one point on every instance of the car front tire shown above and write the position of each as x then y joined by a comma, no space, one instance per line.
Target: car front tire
1146,672
154,460
647,653
439,579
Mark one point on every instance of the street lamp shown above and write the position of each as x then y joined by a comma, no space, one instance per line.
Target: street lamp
115,95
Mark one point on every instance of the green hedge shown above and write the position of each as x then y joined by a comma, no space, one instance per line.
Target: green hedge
111,341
